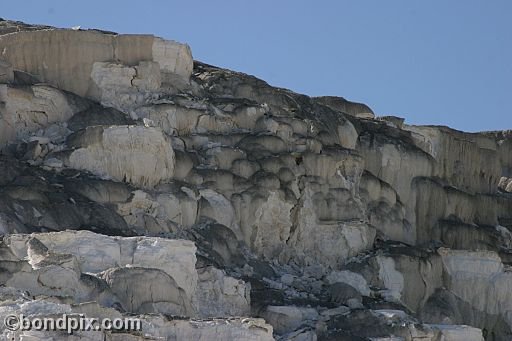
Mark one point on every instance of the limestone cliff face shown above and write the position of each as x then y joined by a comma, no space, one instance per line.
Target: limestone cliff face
135,180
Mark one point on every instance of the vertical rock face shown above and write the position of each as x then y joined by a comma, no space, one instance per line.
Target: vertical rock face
136,182
139,155
25,111
52,55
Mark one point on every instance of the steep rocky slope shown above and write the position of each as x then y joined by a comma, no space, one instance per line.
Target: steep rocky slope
134,180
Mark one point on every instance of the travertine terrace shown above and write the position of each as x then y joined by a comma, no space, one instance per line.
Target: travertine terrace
213,206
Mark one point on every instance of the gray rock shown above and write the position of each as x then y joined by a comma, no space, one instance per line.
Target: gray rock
342,293
156,185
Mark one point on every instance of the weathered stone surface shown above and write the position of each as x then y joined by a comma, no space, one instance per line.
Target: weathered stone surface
285,319
147,290
458,333
54,54
191,190
231,296
505,184
479,279
341,104
6,72
459,156
138,155
125,87
153,326
353,279
26,110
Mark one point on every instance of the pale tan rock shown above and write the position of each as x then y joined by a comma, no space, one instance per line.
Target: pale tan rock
505,184
231,296
152,326
223,157
247,117
272,226
172,57
141,211
147,77
180,207
342,105
384,209
143,290
398,167
176,258
217,207
107,254
96,253
51,280
394,121
6,72
393,280
55,54
467,161
173,119
306,199
340,169
378,190
251,329
125,87
457,333
348,135
330,244
277,127
434,203
479,278
93,309
139,155
285,319
26,110
219,123
128,265
351,278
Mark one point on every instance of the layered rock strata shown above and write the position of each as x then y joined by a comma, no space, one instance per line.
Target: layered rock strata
136,181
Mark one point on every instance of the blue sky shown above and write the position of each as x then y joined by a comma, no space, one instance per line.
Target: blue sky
432,62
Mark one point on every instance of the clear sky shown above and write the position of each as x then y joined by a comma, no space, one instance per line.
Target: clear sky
433,62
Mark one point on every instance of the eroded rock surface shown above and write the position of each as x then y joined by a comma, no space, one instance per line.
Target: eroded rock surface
212,205
139,155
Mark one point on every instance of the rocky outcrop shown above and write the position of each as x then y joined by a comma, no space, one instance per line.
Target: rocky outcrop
85,266
340,104
53,54
152,326
139,155
25,111
152,186
482,272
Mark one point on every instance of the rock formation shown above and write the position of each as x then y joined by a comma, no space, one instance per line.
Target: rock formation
135,181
